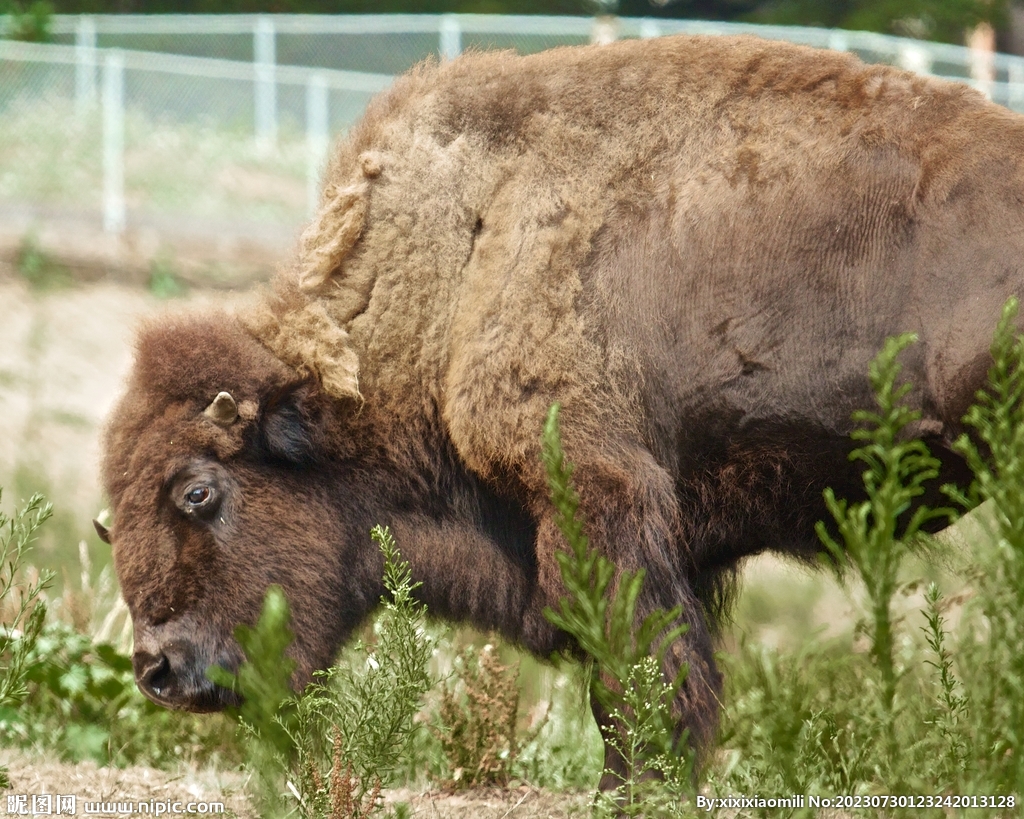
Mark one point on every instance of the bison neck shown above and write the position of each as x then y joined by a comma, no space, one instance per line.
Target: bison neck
472,549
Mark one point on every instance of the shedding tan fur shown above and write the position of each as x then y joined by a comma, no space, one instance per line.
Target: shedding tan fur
307,339
341,222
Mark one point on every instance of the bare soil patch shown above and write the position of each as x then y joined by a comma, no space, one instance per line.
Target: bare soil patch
33,775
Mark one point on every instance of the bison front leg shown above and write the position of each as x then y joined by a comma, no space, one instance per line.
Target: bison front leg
695,708
631,516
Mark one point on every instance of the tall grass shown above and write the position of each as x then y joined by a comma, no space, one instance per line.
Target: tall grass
22,613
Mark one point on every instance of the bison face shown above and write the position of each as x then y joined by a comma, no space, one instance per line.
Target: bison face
220,483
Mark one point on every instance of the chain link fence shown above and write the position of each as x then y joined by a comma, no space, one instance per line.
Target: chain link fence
218,126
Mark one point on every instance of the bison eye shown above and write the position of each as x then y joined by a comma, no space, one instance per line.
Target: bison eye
198,497
199,492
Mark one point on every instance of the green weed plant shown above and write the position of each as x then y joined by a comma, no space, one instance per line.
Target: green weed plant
992,659
879,532
951,703
599,613
38,268
22,613
81,703
164,281
331,751
66,686
925,710
477,721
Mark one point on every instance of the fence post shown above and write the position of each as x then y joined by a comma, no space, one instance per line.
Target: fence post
604,30
982,43
264,69
113,143
837,40
914,58
1015,98
85,63
451,37
649,28
317,136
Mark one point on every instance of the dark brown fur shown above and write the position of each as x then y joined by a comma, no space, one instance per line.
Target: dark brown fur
696,245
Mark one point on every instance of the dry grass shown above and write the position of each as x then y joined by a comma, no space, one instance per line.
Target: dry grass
477,721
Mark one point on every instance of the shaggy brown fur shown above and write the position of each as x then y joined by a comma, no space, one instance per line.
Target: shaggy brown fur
695,244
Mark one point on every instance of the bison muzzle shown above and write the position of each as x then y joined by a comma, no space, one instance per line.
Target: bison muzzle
694,244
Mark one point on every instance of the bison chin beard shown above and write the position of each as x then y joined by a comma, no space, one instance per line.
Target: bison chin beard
206,698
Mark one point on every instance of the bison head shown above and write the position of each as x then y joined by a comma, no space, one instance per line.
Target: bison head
215,465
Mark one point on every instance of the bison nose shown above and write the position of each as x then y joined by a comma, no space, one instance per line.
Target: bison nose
173,674
152,673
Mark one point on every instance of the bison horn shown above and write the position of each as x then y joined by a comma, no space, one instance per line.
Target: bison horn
223,410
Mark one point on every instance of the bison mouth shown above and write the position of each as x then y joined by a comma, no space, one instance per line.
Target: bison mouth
204,699
174,682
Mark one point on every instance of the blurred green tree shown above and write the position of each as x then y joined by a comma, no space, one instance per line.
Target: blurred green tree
943,20
26,21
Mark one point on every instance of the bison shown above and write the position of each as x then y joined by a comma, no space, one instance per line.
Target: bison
694,244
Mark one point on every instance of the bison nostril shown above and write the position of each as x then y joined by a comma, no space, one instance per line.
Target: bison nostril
152,672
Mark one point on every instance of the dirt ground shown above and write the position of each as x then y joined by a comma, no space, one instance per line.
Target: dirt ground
35,776
32,776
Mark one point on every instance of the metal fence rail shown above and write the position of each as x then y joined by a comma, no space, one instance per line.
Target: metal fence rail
293,80
389,44
229,95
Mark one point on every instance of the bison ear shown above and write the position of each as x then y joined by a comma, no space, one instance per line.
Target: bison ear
101,531
291,426
101,523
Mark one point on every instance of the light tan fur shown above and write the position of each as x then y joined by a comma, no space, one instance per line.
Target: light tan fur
408,187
